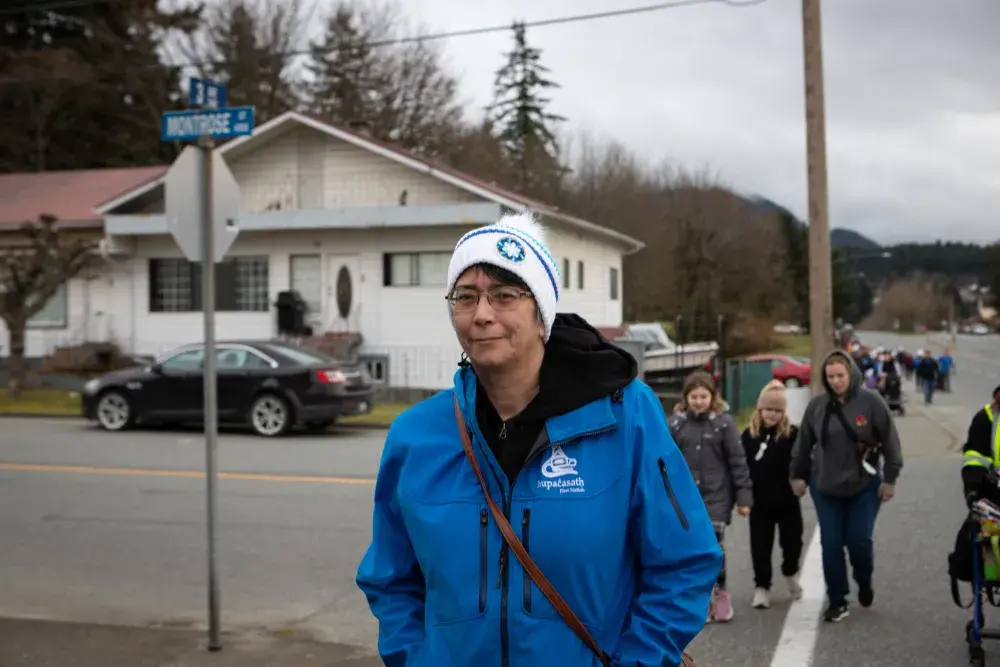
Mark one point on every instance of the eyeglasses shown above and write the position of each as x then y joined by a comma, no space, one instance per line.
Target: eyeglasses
465,300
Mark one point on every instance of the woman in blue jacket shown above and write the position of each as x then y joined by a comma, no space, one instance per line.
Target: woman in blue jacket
576,452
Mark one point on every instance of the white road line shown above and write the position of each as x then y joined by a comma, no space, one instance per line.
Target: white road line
798,636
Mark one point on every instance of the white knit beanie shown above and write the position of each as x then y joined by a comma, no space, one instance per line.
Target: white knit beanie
515,242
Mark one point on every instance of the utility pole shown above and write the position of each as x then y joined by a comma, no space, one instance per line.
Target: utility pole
820,271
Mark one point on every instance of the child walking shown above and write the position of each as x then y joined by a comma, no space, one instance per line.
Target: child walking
768,443
707,435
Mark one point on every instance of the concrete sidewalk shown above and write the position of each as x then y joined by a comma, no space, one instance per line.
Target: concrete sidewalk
31,643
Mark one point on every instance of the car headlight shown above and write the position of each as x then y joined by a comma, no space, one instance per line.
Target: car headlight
91,386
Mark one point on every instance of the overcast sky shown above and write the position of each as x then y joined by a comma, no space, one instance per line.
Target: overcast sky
912,87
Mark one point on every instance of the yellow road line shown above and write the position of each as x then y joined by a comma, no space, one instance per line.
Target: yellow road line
191,474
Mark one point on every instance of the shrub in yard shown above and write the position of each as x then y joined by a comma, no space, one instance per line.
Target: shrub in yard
87,359
749,334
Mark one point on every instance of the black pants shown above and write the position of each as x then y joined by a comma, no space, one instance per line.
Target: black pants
720,534
763,521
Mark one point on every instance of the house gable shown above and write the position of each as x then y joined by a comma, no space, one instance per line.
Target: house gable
306,169
300,163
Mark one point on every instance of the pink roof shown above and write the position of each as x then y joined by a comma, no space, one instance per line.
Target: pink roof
71,196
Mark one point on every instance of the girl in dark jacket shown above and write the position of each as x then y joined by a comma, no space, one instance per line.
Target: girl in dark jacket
768,442
707,435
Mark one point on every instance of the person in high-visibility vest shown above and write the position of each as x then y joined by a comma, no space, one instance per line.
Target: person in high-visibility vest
981,453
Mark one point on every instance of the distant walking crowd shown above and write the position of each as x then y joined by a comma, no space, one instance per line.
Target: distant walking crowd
932,373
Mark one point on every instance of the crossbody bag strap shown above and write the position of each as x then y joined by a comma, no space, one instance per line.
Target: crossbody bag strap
532,570
571,619
869,448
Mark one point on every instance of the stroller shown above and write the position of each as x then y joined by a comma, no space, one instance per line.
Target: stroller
891,389
982,529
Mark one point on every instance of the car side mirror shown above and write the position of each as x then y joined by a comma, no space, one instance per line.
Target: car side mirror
155,368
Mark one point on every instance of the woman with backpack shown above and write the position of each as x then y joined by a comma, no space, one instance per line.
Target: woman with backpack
847,434
768,442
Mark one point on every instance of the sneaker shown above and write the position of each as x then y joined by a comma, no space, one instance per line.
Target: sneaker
866,596
835,613
760,599
723,606
794,587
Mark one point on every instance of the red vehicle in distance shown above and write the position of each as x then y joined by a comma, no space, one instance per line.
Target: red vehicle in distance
789,370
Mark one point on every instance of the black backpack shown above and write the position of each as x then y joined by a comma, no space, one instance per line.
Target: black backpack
960,560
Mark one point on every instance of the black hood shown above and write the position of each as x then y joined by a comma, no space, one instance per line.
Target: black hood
580,366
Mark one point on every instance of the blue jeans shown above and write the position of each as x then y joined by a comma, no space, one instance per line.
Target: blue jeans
929,391
847,523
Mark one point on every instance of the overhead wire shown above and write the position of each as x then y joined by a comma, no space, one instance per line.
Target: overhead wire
467,32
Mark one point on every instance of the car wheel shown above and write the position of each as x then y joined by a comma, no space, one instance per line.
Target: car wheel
114,411
270,415
791,382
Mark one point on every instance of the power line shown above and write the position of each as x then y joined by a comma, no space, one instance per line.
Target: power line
43,6
468,32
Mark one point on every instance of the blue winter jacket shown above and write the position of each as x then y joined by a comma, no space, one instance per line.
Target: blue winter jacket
608,510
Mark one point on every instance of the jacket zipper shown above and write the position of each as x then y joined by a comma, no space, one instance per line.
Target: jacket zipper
483,559
504,570
525,534
670,494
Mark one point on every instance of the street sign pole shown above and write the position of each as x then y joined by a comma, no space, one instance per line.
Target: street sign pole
202,204
211,386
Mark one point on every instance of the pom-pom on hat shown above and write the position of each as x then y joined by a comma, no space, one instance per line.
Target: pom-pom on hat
773,396
515,242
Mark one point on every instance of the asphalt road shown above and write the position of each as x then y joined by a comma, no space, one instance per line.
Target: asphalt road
81,544
110,529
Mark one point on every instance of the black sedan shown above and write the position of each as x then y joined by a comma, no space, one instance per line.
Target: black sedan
271,386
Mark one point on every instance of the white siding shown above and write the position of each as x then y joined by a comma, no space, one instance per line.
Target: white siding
305,169
407,324
89,319
593,302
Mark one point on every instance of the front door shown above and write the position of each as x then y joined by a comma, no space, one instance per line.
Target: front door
343,293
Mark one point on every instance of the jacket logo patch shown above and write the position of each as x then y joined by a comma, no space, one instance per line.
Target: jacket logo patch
860,420
558,467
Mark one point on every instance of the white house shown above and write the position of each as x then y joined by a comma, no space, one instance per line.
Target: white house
361,229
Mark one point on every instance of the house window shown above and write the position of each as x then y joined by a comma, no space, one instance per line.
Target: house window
54,314
579,275
614,284
565,273
426,269
241,285
306,278
250,284
172,286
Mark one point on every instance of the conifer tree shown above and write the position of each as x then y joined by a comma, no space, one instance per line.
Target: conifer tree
524,124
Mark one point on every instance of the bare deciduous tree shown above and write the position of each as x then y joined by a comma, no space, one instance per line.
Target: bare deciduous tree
909,303
46,95
32,268
370,66
708,251
252,45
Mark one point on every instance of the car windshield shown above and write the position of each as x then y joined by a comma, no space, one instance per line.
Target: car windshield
651,334
801,360
301,355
